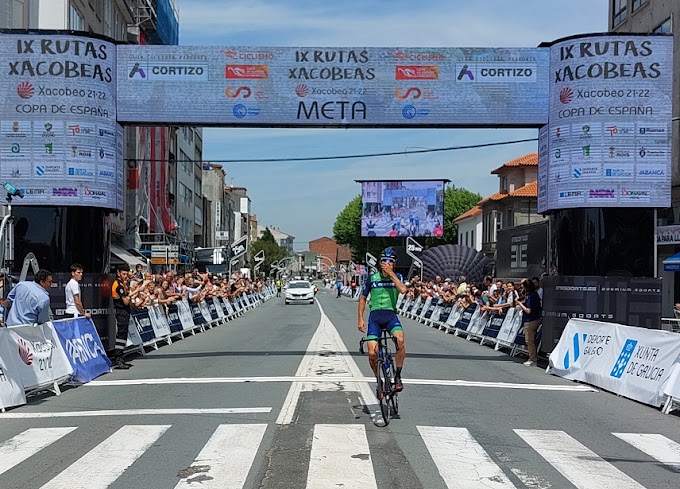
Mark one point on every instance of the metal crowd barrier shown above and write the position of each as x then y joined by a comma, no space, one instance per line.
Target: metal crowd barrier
502,331
149,327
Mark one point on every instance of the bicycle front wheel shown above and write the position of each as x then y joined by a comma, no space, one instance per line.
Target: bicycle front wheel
383,392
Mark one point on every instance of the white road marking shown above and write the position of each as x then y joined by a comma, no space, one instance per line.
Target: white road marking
326,366
226,459
334,380
340,457
462,462
134,412
583,467
656,446
102,465
28,443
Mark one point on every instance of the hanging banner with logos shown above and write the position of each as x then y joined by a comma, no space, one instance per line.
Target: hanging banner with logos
11,389
229,85
609,137
632,362
83,348
58,135
38,355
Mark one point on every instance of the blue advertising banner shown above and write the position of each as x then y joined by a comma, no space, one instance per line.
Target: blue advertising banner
197,314
144,321
212,308
173,318
83,348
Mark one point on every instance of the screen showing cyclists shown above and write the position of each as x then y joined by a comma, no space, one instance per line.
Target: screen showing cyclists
402,208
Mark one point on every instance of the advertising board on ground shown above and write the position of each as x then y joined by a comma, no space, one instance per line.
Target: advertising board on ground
625,300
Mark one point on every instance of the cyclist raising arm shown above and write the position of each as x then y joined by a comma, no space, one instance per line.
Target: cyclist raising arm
384,288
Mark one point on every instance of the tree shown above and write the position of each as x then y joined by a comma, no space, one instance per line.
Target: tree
457,201
347,227
272,251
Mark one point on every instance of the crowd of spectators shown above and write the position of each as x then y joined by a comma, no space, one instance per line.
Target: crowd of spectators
492,297
148,289
495,296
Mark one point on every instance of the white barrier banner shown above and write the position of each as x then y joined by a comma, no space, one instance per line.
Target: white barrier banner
632,362
11,390
38,355
159,322
133,339
205,312
185,316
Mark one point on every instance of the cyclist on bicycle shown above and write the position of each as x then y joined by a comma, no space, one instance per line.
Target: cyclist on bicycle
384,288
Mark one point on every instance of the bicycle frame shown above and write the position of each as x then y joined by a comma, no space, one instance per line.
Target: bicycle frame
385,374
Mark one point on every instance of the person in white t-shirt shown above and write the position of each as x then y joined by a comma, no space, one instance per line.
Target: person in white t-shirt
74,303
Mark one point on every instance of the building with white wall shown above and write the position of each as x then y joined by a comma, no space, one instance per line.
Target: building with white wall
470,228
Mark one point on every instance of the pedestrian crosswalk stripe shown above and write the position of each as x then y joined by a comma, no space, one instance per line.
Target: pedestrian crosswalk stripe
656,446
28,443
340,457
226,459
462,462
102,465
583,467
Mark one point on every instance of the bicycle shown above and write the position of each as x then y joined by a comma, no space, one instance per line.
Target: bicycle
388,397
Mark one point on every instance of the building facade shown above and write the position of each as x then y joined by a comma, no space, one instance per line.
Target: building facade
470,228
660,16
213,189
331,253
515,203
284,240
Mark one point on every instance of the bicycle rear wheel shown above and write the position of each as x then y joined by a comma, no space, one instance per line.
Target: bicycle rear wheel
383,392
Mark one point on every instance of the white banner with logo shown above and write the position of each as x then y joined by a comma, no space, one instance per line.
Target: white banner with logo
185,316
11,390
38,355
632,362
159,322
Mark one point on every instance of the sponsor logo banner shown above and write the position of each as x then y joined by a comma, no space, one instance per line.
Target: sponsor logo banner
629,361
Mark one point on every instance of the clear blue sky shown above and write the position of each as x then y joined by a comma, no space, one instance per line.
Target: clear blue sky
303,199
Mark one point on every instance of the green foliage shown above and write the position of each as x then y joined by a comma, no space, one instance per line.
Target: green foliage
457,201
272,251
347,227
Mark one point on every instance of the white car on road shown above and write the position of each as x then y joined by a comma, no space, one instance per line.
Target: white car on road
299,291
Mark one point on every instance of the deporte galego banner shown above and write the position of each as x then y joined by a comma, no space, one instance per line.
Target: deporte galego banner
632,362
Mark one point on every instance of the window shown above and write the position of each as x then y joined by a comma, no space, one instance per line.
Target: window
637,4
108,19
664,28
197,186
472,239
504,184
75,20
198,215
619,12
508,221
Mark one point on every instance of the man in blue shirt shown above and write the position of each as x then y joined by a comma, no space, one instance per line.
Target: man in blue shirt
29,302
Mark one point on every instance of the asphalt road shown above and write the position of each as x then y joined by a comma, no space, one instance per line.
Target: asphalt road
222,411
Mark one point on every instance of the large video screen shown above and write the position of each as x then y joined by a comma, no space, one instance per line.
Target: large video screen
402,208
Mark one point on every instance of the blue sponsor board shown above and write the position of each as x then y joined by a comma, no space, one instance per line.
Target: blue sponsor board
83,348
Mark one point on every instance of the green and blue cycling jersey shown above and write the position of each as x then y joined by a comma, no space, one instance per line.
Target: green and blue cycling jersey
383,294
